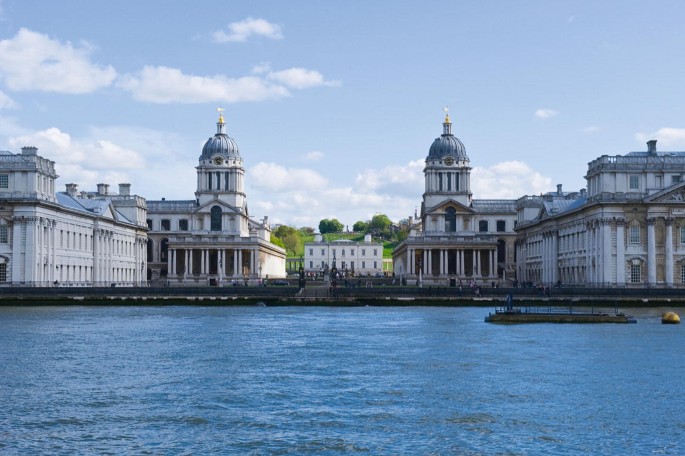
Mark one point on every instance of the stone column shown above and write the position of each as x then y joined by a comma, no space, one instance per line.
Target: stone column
669,252
620,252
235,263
651,252
240,262
460,255
605,256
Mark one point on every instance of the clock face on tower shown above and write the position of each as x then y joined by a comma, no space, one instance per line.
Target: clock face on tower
218,160
449,161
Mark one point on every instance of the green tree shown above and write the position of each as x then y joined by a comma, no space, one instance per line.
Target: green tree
380,223
360,227
330,226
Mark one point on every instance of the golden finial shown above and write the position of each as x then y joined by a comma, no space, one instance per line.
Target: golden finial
221,114
447,114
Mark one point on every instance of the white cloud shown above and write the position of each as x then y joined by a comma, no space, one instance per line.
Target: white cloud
669,137
545,113
276,178
83,162
508,180
6,102
314,155
300,78
406,180
242,30
32,61
170,85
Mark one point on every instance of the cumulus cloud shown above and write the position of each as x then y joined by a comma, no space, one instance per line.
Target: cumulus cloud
242,30
83,162
300,78
508,180
545,113
669,137
171,85
168,85
33,61
6,102
277,178
396,179
314,155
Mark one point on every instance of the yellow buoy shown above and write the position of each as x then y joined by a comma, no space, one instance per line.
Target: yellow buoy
670,318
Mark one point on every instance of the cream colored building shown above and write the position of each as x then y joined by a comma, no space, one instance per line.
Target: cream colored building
357,258
456,238
70,238
212,239
628,229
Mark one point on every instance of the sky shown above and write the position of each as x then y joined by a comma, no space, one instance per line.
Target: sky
334,105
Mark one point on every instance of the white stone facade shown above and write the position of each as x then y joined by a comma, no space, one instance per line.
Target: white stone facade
458,238
357,258
211,240
627,230
69,238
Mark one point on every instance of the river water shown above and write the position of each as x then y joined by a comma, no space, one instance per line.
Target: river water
365,380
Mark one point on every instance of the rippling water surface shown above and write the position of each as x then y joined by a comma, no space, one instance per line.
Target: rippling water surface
294,380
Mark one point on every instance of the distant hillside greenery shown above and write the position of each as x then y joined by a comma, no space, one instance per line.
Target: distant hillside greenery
379,227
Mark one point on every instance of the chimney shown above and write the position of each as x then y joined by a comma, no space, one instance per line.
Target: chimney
72,190
559,192
367,238
103,189
125,189
651,147
29,150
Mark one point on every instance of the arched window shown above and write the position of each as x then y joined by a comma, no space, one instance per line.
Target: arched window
215,219
149,250
450,220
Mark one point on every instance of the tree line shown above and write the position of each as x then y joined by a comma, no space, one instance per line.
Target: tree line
380,227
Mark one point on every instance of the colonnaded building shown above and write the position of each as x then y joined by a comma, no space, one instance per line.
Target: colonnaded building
350,258
69,238
457,238
628,229
211,240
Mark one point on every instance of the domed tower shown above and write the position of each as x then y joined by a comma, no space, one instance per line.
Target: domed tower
447,171
220,173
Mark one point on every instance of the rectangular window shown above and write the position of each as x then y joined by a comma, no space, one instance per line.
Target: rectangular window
4,181
343,252
149,224
352,265
634,182
4,234
166,225
375,265
183,225
682,274
501,226
311,252
634,234
3,272
675,179
658,181
375,252
342,265
363,253
352,252
635,273
483,226
323,252
363,264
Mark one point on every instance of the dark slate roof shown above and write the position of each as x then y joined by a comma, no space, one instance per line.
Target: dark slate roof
447,144
220,144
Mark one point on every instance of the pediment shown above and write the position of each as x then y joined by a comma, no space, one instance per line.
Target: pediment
207,207
673,195
440,209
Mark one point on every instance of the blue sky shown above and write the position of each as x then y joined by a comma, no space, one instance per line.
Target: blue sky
334,105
